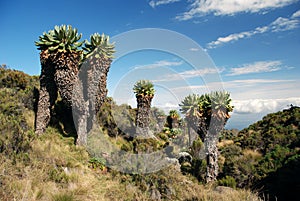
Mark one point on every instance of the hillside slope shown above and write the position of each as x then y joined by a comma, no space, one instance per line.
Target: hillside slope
51,167
277,139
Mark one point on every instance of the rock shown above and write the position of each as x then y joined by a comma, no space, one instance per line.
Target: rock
175,162
223,189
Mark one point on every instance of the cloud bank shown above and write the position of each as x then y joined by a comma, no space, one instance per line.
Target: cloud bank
257,67
230,7
278,25
263,105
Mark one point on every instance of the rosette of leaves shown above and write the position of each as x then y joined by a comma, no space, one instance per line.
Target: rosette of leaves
62,38
98,46
190,106
220,104
144,88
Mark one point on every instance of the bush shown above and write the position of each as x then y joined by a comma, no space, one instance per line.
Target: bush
227,181
97,163
15,133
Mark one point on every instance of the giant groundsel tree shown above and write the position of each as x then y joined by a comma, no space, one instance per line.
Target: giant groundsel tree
98,54
60,57
190,108
144,92
208,114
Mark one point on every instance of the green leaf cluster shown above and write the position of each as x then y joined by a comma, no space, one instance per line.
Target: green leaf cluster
197,106
98,45
174,114
190,105
65,38
144,88
62,38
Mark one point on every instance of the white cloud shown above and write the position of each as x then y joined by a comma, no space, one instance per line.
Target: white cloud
258,81
236,36
153,3
230,7
234,85
189,74
257,67
296,14
283,24
200,72
263,105
167,106
280,24
158,64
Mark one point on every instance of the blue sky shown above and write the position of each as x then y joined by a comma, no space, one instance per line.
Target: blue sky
254,46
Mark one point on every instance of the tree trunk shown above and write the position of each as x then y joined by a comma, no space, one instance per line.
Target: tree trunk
189,135
215,125
143,116
212,168
66,74
96,87
47,94
174,123
66,77
80,113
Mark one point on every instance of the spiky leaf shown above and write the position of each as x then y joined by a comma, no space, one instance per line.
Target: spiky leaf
143,88
62,38
98,45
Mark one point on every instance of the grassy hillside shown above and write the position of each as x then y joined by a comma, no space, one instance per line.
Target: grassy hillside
51,167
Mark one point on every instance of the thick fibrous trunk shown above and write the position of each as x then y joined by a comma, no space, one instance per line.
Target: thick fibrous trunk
66,77
80,113
59,74
66,74
196,125
173,122
84,96
143,115
96,85
211,139
212,168
47,94
71,90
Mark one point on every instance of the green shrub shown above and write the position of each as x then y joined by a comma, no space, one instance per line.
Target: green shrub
97,163
15,132
227,181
